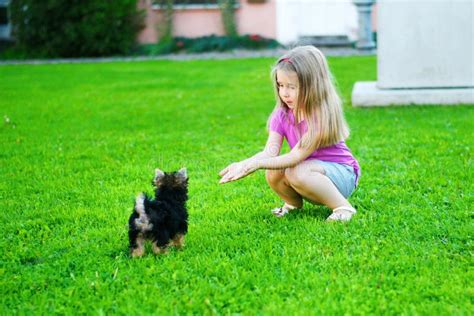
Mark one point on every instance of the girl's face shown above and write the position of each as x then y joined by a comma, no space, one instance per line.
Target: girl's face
287,83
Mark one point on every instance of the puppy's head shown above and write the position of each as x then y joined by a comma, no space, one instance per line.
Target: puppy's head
171,180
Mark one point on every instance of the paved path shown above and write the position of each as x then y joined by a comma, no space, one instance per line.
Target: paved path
234,54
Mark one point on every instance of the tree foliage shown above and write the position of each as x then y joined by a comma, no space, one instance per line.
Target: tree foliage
75,28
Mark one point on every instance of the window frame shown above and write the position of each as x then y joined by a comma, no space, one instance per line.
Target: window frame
5,29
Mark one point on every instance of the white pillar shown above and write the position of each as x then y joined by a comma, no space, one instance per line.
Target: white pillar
365,40
425,54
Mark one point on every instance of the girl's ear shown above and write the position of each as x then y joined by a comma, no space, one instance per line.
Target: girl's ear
182,174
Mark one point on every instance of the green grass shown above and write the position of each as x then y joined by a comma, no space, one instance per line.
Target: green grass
82,140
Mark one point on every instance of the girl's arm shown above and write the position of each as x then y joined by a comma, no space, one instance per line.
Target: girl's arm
246,167
291,159
272,149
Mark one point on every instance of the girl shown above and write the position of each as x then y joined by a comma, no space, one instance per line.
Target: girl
320,168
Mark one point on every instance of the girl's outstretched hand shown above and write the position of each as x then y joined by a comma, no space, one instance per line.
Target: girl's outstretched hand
237,170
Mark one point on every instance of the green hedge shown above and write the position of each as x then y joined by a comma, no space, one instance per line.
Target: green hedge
207,44
75,28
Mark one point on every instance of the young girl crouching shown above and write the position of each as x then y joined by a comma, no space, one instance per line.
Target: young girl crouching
308,114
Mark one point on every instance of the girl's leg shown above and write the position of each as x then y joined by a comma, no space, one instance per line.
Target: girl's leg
309,181
277,181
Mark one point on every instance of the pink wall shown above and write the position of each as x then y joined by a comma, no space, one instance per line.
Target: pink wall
258,18
149,33
197,22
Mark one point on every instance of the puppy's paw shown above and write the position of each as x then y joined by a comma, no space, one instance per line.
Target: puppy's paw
159,250
137,252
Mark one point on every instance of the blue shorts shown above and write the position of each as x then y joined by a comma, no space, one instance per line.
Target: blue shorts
343,176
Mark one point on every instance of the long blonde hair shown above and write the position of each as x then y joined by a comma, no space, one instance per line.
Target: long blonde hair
318,101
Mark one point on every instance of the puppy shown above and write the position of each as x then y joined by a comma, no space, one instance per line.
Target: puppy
162,220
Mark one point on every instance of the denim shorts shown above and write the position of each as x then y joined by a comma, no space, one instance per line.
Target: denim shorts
343,176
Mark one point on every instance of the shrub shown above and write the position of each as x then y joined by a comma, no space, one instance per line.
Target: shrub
75,28
256,41
207,44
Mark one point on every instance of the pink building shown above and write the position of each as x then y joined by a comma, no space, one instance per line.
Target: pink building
287,21
195,20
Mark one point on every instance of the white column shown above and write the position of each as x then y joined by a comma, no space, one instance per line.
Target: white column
425,54
365,40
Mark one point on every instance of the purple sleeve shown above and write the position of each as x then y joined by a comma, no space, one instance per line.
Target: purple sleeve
276,122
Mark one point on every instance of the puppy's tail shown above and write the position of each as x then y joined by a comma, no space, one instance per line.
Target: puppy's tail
140,204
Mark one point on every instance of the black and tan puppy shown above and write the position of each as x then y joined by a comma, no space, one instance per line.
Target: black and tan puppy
162,220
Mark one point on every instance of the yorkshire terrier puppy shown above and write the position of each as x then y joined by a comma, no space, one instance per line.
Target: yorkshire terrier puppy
162,220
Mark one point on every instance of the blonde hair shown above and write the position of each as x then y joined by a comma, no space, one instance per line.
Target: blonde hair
318,101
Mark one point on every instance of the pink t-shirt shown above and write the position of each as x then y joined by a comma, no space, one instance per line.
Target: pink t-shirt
283,123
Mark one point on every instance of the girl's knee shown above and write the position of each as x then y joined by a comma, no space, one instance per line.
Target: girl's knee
300,175
293,175
274,176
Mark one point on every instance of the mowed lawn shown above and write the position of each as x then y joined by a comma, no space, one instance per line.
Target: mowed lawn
79,141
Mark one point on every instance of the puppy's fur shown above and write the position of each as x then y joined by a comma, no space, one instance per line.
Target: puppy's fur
162,220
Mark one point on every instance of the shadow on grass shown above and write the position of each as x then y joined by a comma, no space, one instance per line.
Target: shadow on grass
319,212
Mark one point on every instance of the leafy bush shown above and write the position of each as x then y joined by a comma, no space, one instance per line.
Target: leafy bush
207,44
75,28
256,41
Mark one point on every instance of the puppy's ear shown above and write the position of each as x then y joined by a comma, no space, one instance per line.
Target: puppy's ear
158,176
182,174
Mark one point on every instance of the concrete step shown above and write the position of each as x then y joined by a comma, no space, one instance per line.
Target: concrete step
325,41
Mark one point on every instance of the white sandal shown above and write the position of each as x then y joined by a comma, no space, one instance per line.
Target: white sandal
342,214
282,211
279,211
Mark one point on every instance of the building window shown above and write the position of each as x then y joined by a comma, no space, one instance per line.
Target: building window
3,16
5,27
